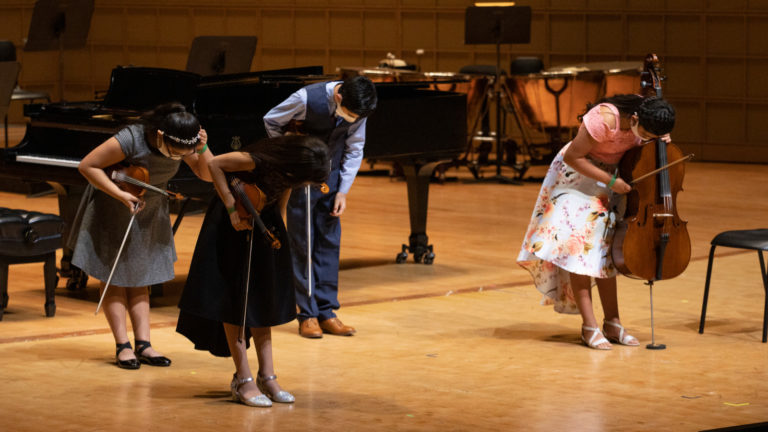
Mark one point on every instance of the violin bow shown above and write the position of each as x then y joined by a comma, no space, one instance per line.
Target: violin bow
309,241
118,176
117,258
657,170
247,281
307,191
274,243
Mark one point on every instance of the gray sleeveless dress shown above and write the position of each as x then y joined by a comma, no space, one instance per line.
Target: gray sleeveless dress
149,252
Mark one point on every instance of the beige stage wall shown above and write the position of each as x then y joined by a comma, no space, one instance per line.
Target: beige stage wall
715,52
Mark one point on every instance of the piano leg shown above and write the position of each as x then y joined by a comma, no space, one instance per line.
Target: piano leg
417,179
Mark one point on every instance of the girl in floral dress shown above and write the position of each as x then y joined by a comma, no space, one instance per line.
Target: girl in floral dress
568,241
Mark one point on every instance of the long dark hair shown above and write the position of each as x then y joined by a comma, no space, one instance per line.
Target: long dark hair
287,162
175,122
656,115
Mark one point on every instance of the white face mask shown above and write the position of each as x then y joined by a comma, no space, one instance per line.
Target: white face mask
165,151
634,127
340,113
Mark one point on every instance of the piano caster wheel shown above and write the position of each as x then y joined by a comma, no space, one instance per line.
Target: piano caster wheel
402,256
71,284
424,254
77,281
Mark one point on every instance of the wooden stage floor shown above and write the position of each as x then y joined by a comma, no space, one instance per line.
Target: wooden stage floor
459,345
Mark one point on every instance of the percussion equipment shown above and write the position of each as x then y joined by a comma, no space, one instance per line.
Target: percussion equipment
551,101
556,96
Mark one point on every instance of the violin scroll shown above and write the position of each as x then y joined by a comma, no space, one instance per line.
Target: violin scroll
249,202
651,77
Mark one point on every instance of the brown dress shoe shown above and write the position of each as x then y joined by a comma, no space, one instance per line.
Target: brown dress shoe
335,327
310,329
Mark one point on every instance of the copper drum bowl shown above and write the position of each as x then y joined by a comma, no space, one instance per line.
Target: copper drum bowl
374,73
573,86
622,77
537,95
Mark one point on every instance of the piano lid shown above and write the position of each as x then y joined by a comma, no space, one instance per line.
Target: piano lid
302,74
143,88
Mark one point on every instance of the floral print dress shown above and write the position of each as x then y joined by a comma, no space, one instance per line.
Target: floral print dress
571,229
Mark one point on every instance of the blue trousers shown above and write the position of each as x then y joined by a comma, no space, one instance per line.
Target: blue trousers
326,240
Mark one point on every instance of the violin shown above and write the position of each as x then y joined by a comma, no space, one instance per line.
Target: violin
126,177
134,179
249,202
652,242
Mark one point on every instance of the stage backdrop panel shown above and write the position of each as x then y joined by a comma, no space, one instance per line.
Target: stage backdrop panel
715,53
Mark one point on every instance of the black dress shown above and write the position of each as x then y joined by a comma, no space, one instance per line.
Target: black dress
213,293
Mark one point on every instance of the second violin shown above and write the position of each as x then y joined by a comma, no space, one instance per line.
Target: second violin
249,202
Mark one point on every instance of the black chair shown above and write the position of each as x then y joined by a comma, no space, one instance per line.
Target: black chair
741,239
28,237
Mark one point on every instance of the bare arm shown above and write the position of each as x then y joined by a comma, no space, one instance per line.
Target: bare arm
229,162
283,205
92,168
199,162
576,157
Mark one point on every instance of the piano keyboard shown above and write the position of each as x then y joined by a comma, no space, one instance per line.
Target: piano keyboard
42,160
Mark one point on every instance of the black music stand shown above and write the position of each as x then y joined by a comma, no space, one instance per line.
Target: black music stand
217,55
497,25
59,25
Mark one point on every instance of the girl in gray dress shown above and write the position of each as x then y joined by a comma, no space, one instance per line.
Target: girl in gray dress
159,141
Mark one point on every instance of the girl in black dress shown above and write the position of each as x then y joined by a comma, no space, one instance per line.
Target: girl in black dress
212,302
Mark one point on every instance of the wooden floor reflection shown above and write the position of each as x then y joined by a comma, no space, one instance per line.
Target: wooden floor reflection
459,345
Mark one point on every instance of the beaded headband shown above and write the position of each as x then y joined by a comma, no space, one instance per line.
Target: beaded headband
187,142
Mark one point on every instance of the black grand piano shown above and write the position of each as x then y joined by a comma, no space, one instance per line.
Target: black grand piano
413,125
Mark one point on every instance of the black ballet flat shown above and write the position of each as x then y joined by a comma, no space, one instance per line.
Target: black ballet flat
126,364
152,361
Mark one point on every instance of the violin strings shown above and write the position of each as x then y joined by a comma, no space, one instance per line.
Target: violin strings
128,179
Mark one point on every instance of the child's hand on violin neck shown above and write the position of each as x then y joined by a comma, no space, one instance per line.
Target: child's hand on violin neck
238,223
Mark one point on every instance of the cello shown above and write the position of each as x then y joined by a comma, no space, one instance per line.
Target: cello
652,242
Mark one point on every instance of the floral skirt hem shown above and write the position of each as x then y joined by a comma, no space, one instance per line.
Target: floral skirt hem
570,231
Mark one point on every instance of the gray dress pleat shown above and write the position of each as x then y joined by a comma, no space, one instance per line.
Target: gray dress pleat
149,251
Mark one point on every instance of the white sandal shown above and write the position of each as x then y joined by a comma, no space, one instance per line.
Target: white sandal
624,337
592,343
